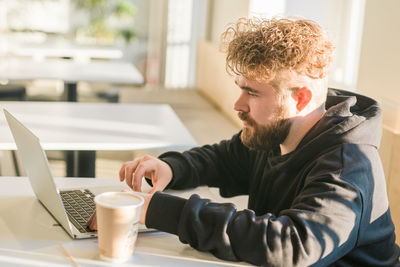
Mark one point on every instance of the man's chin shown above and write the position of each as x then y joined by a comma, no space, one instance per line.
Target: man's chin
249,140
246,136
248,129
245,133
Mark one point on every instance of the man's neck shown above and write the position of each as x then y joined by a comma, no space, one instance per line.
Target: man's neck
299,128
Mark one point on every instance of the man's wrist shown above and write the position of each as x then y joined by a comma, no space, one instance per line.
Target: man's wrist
164,211
147,199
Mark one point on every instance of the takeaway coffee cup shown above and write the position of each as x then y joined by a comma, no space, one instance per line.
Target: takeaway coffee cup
118,216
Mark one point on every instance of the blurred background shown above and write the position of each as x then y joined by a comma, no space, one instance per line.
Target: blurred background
161,36
174,45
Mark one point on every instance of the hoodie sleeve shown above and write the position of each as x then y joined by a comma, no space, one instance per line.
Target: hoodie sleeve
223,165
319,228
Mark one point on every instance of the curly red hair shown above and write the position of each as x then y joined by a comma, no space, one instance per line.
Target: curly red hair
260,48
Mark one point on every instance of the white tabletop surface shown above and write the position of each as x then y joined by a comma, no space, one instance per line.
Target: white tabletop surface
29,235
70,71
65,49
98,126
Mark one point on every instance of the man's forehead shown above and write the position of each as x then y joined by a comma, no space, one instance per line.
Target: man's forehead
242,81
283,79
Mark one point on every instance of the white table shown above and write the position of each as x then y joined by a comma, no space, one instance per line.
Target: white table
80,53
70,72
29,235
88,127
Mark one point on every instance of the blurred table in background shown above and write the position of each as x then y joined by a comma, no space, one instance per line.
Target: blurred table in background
83,128
70,72
78,53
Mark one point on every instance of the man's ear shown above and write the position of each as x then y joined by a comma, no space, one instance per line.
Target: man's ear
302,96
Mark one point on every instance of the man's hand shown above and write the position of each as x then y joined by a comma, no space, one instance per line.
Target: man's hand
92,222
156,170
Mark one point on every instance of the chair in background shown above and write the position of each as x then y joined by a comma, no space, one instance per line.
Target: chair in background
12,92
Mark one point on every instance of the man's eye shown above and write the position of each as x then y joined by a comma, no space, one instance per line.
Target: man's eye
251,93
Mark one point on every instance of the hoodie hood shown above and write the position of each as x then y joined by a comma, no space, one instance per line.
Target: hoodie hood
349,118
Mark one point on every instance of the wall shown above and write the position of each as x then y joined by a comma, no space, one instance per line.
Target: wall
378,77
211,78
214,82
380,56
224,12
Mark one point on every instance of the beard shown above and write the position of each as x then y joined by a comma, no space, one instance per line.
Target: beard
261,137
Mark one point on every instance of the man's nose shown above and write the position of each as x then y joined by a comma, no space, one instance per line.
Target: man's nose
241,104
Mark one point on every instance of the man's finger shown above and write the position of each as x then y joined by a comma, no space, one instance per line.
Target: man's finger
94,225
156,187
153,190
155,182
138,185
130,169
122,172
92,222
138,176
123,169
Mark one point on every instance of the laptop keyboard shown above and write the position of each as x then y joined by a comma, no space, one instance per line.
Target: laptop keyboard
79,206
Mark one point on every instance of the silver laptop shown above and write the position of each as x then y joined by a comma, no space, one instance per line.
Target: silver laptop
72,207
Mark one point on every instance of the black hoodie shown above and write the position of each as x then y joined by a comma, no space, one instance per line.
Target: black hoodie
323,204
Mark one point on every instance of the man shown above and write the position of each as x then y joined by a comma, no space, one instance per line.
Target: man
309,163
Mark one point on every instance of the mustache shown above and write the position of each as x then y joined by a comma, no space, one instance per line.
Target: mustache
245,117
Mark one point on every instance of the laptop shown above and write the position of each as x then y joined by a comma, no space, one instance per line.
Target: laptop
70,207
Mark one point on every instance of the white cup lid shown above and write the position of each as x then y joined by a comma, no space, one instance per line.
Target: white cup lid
119,200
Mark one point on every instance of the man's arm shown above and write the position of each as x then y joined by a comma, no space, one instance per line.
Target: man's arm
321,225
295,238
225,165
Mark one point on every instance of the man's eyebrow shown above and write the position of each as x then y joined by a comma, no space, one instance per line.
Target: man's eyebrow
247,88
